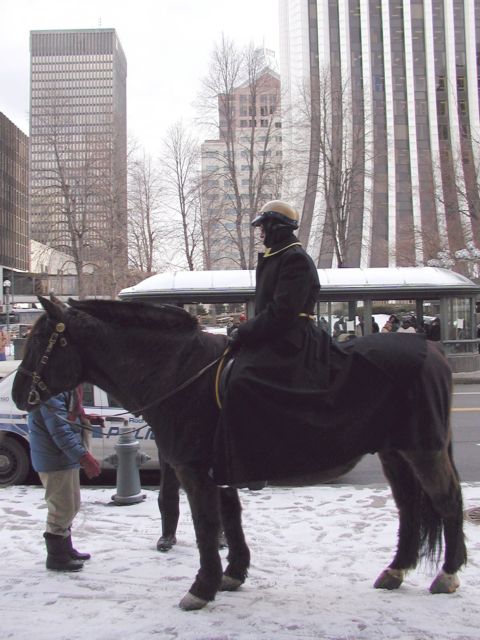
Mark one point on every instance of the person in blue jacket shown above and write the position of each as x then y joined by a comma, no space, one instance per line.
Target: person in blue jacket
58,449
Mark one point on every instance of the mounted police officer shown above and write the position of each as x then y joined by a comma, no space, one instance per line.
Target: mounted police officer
281,353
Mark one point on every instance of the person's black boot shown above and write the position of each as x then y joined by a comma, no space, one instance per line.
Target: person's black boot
166,542
58,554
76,555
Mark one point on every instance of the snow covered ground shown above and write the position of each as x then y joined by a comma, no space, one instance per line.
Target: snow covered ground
315,554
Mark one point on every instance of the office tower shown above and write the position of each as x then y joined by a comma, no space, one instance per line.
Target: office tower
241,170
14,239
392,85
78,151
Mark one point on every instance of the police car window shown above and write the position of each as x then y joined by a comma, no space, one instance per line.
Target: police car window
87,394
112,402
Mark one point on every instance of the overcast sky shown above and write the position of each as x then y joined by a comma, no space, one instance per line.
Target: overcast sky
167,44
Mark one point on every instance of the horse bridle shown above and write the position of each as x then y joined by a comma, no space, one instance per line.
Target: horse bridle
34,397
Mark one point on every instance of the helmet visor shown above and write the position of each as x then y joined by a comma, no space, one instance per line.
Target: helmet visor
274,215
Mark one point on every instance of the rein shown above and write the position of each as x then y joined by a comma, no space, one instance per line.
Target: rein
37,382
180,387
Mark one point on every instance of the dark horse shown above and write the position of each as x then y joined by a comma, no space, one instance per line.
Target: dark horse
141,353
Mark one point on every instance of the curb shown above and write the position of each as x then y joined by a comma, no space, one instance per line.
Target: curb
466,377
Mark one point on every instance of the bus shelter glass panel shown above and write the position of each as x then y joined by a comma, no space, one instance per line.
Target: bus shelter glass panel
363,317
459,331
219,317
341,319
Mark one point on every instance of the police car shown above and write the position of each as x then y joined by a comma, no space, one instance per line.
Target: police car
15,466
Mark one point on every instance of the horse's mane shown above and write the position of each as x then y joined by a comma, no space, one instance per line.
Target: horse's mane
134,314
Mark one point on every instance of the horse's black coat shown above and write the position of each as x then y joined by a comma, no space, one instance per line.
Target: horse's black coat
138,353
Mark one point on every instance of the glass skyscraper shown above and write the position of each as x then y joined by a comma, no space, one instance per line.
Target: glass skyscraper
78,149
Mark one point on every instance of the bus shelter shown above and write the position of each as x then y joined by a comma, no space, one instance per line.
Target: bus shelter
354,295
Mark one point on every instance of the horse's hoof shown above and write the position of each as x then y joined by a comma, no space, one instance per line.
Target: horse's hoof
230,584
165,543
389,579
190,602
445,583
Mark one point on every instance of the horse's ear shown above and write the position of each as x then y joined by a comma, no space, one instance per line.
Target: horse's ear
72,302
55,311
56,300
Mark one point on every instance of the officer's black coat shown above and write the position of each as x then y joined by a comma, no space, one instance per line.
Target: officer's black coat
281,340
297,403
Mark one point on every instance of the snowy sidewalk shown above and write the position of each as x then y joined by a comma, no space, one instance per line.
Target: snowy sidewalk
316,552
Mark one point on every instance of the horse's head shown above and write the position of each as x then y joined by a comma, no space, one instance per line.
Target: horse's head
51,363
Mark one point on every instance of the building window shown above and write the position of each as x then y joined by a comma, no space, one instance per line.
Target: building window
442,107
443,131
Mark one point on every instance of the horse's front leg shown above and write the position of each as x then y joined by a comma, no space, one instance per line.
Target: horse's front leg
238,551
203,497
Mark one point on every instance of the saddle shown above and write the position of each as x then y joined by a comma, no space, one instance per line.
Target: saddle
223,375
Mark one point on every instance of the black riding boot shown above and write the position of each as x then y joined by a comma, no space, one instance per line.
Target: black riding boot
76,555
58,554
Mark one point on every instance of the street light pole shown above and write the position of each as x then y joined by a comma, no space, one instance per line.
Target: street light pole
6,288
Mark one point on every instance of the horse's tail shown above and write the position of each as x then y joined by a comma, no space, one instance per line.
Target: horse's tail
430,519
435,381
431,528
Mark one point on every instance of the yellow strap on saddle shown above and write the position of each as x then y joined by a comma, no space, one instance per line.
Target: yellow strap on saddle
220,366
306,315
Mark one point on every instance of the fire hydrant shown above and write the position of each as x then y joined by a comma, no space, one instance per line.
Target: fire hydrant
127,460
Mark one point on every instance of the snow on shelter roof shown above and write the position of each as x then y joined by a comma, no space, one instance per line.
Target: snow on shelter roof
238,285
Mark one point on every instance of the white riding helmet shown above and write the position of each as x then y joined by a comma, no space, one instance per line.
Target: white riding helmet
277,210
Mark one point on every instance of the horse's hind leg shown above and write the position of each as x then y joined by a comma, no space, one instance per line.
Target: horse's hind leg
405,490
203,497
438,476
238,551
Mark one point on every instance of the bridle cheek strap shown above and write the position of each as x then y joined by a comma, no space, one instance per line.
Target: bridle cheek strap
34,397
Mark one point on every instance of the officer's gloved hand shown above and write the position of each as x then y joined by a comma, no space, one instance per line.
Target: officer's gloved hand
234,343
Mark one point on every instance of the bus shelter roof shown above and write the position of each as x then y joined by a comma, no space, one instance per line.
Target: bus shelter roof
336,284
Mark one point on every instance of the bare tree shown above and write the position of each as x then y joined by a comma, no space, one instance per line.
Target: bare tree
76,203
65,193
112,242
145,202
180,171
343,140
241,95
457,198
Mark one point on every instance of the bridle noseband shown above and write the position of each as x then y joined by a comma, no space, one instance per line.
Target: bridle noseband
37,382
